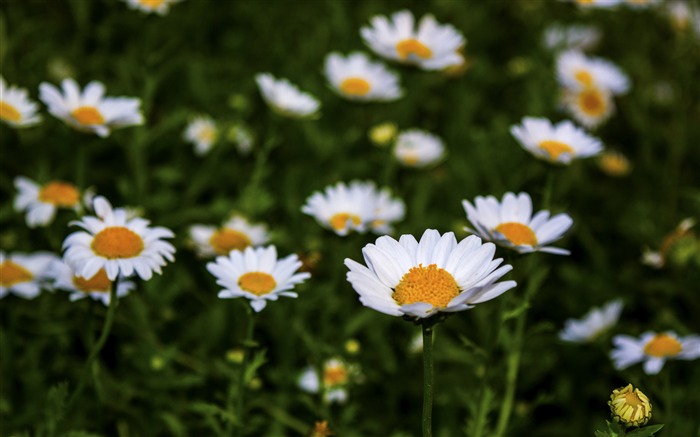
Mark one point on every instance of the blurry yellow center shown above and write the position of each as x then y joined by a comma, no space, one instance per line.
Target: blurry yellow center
517,233
334,375
410,158
151,3
117,242
59,194
555,148
663,345
97,284
355,86
591,102
429,284
258,283
12,273
614,164
412,46
584,77
225,240
340,221
207,135
9,112
87,115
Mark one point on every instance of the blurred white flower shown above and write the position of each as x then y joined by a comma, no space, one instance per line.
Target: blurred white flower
418,148
593,324
203,133
653,349
160,7
98,287
560,143
41,201
576,70
590,106
577,37
337,376
24,274
356,77
236,234
285,98
15,107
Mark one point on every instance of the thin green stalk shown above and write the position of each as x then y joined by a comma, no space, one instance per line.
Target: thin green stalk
512,375
237,404
427,380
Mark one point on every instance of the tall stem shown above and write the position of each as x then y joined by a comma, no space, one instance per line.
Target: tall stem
427,380
247,344
512,375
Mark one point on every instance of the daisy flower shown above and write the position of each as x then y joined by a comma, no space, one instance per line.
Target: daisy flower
432,46
579,37
117,244
417,148
594,323
653,349
90,111
589,106
257,274
591,4
681,14
337,375
560,143
512,225
387,210
285,98
15,107
97,287
41,201
343,208
576,70
24,274
236,234
421,278
160,7
356,77
201,132
629,406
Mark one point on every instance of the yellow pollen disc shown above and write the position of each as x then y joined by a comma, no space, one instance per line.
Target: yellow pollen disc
340,221
663,345
117,242
207,135
412,46
555,148
9,112
355,86
12,273
97,284
225,240
258,283
584,77
410,158
517,233
335,375
591,102
429,284
59,194
151,3
87,115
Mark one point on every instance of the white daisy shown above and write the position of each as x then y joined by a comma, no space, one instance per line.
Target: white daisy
387,210
511,223
203,133
560,143
579,37
432,46
343,208
576,70
590,106
653,349
420,279
337,375
681,14
41,201
257,274
89,110
594,323
24,274
285,98
602,4
160,7
15,107
117,244
356,77
97,287
236,234
418,148
242,137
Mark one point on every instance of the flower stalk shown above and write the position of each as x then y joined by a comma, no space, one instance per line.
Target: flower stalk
428,379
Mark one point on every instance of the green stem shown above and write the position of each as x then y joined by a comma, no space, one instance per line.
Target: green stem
238,409
512,375
549,187
427,380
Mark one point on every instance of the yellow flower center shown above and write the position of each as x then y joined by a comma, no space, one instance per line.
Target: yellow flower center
517,233
59,194
87,115
355,86
429,284
117,242
9,112
151,3
12,273
614,164
340,221
663,345
555,148
591,102
584,77
335,375
412,46
410,158
207,135
225,240
97,284
258,283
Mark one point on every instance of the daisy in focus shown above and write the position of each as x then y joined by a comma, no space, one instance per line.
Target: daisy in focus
510,223
41,201
15,107
421,278
356,77
575,37
89,110
576,70
257,274
236,234
432,46
117,244
285,98
337,376
653,349
596,322
203,133
160,7
560,143
418,148
97,287
24,274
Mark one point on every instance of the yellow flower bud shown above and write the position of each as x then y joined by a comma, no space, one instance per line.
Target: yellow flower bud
383,134
629,406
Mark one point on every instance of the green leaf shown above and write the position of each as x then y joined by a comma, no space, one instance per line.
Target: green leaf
645,431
